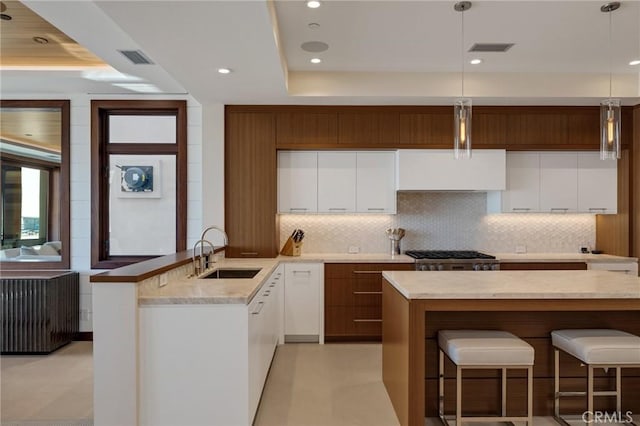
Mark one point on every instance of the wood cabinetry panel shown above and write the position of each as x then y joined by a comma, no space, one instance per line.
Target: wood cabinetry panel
544,266
368,129
306,128
540,129
488,128
429,128
250,185
353,299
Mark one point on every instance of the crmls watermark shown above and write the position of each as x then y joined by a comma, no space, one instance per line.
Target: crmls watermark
607,417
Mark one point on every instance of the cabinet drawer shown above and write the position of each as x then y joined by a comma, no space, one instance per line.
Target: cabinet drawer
349,270
544,266
343,292
353,321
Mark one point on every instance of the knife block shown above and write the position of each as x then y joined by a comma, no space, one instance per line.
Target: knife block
291,248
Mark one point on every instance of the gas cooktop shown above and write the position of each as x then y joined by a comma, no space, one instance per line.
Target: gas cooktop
447,254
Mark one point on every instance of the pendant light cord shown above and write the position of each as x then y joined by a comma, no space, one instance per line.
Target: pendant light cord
610,57
462,52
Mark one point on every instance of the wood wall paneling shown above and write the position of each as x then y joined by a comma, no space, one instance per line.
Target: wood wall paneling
489,128
613,230
250,184
368,129
426,128
313,129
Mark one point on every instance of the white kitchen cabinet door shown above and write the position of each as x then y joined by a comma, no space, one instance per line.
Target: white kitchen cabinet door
303,301
336,182
523,183
437,170
559,182
376,182
297,182
597,184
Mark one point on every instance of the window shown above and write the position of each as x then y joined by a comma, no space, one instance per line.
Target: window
139,180
34,178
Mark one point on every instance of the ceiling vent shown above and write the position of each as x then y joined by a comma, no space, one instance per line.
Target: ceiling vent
491,47
136,56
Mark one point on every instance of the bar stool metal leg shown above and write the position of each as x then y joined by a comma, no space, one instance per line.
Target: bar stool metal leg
529,396
504,392
459,421
441,385
556,383
590,392
618,391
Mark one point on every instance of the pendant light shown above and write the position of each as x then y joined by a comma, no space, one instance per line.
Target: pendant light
610,108
462,106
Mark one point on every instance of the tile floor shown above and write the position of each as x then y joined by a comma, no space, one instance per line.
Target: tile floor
308,385
48,389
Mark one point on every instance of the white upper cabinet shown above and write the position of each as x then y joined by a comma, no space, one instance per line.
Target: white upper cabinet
297,182
559,182
597,184
523,182
336,182
437,170
563,182
376,182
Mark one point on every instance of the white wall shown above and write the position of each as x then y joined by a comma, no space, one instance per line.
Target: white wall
81,178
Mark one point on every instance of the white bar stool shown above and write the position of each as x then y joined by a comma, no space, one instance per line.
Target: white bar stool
597,348
484,349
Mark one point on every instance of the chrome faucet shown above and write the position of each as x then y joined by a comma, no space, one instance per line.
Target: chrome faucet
204,260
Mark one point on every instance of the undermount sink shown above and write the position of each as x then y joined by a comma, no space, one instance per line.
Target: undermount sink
227,273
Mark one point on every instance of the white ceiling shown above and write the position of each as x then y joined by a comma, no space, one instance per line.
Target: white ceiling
396,52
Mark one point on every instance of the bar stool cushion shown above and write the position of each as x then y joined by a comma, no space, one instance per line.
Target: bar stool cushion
485,347
599,346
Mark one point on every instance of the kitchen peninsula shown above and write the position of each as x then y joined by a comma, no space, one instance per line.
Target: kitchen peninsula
530,304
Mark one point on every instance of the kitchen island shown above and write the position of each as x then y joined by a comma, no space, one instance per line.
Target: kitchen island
529,304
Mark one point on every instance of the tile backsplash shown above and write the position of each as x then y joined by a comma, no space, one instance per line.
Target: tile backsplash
443,220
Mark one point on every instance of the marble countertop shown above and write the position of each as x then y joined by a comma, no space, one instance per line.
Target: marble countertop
197,291
348,258
515,285
561,257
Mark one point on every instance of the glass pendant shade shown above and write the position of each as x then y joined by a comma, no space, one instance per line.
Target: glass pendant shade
610,129
462,128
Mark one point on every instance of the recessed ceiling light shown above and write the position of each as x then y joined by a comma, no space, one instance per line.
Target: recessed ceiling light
316,60
635,62
313,4
475,61
224,70
40,40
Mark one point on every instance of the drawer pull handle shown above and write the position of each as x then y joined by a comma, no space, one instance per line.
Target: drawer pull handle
521,209
595,209
258,309
249,253
302,272
340,209
367,320
376,209
298,209
367,292
367,272
559,209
